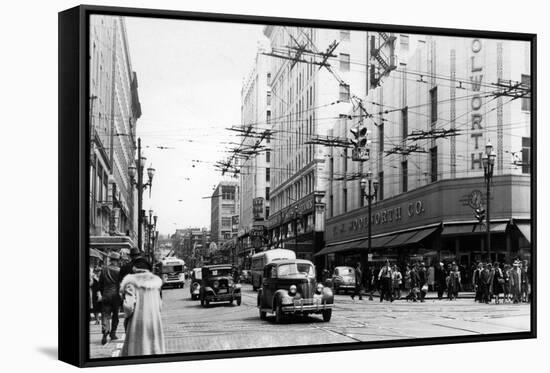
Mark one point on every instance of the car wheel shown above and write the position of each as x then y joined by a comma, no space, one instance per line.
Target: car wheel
327,314
263,315
238,301
207,303
231,302
202,302
279,315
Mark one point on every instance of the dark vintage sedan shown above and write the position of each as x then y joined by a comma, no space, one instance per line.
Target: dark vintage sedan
343,279
289,288
217,285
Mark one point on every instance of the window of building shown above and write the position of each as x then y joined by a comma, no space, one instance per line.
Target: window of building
228,192
526,101
331,205
344,92
267,212
404,43
268,98
267,174
404,123
267,193
331,167
404,176
345,158
433,163
268,78
525,155
268,117
345,202
226,222
268,156
380,193
344,62
345,35
433,102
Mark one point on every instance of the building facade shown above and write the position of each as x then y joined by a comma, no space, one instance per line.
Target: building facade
224,213
114,111
309,94
191,244
431,117
255,171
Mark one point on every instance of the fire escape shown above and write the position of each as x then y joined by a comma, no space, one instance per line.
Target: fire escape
386,63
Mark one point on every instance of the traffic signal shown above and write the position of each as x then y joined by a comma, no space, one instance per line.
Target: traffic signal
360,141
480,214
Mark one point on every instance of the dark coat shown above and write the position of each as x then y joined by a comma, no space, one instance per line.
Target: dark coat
109,281
358,276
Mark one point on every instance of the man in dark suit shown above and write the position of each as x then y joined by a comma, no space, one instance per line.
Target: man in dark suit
476,282
358,281
109,281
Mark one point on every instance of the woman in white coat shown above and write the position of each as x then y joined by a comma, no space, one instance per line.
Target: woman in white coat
140,293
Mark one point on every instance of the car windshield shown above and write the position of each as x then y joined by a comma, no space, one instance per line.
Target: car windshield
295,269
220,272
344,271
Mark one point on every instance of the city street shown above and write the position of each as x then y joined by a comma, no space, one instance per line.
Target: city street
191,328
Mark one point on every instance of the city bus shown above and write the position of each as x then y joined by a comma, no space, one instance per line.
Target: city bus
259,261
171,271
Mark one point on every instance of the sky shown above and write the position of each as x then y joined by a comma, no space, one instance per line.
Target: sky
190,76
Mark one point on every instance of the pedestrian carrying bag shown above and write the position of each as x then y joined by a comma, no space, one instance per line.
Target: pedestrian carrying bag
425,288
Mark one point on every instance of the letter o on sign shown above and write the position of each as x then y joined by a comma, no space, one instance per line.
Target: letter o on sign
418,208
476,102
476,45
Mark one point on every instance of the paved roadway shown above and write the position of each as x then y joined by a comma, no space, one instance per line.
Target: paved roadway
189,327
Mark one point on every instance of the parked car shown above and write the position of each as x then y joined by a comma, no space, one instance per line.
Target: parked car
195,286
218,285
289,288
342,279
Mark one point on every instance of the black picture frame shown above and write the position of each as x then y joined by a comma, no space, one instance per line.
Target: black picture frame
74,150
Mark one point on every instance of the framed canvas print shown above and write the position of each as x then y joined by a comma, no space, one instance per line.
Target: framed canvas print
235,186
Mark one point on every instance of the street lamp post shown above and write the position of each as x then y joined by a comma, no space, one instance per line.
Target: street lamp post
137,170
370,195
151,224
488,161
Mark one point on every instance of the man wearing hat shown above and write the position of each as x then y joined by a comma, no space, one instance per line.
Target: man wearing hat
109,281
384,278
127,268
422,281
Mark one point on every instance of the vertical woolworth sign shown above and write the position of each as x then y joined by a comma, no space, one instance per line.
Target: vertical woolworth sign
476,103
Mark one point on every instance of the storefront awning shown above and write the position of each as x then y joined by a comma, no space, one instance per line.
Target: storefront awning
411,237
525,229
111,242
469,228
339,247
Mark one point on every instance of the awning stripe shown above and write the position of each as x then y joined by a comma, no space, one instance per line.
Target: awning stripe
525,229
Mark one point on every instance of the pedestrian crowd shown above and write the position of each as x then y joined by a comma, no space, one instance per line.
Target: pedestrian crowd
490,281
133,289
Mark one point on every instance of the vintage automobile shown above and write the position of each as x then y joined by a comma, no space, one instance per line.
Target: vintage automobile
289,288
217,285
343,279
195,284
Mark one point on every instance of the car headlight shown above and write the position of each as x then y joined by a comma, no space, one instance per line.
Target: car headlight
165,277
320,288
292,290
216,284
237,286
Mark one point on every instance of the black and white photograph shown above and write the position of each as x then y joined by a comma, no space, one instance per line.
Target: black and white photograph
258,186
